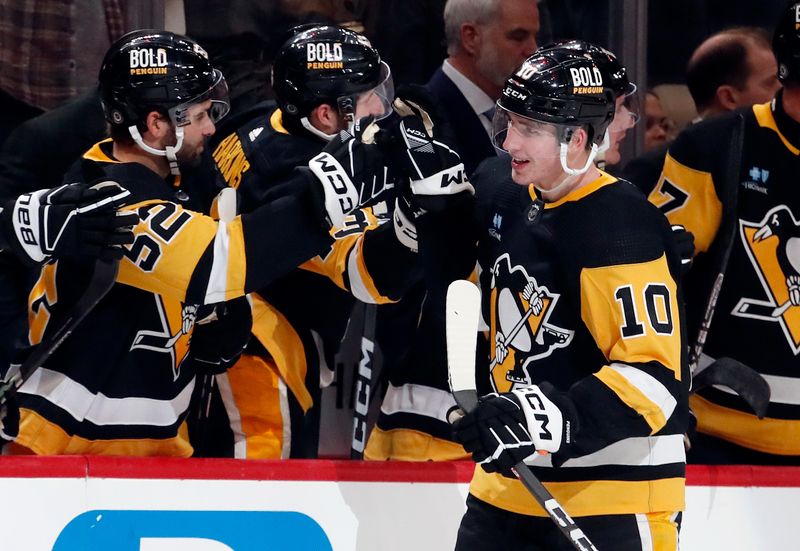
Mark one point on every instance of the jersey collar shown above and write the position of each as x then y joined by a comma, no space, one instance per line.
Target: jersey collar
774,116
576,195
101,152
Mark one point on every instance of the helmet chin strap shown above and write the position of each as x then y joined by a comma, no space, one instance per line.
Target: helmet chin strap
576,171
317,132
571,175
170,151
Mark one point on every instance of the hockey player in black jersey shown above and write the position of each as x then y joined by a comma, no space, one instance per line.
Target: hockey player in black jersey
121,383
586,376
325,78
747,204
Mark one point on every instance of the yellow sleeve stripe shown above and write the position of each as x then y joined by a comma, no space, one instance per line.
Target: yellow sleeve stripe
632,395
285,346
687,197
604,314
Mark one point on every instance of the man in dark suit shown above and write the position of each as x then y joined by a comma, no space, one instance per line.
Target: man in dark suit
486,40
731,69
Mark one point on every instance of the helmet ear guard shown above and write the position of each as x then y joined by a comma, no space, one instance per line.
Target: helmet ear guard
786,44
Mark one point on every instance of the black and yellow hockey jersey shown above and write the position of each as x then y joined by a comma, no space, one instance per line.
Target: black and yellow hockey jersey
118,385
608,330
311,305
757,317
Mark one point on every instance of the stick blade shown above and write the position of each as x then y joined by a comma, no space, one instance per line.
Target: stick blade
463,310
742,379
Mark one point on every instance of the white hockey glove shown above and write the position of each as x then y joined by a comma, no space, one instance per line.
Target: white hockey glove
507,428
435,170
76,220
353,172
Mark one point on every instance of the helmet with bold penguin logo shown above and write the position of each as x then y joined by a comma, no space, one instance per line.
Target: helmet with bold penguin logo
563,86
152,70
328,64
786,44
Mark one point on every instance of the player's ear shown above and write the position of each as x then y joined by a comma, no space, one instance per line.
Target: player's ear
325,117
579,139
156,124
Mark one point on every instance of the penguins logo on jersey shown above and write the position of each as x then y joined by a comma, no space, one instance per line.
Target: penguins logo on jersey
520,310
169,341
773,245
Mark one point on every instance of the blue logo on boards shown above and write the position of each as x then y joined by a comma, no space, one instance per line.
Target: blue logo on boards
195,530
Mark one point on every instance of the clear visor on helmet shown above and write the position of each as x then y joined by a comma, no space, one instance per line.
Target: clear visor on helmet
217,94
376,101
546,137
627,112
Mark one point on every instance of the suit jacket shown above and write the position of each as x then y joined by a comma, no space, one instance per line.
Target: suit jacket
471,141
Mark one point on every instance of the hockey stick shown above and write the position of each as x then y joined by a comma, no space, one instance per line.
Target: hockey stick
366,381
463,306
103,277
743,380
729,197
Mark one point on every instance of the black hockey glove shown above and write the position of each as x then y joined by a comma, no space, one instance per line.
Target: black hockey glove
9,409
435,170
218,340
353,172
507,428
76,220
684,244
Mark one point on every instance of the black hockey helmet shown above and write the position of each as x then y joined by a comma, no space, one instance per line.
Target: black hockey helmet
607,61
786,44
562,86
150,70
328,64
610,65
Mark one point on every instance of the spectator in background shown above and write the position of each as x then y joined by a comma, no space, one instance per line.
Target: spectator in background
51,51
731,69
658,127
486,40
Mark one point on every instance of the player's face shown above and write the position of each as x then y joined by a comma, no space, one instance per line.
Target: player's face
762,82
508,39
623,121
196,133
534,151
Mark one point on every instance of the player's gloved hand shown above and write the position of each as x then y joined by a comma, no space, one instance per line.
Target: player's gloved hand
507,428
435,170
76,220
352,171
404,219
684,243
219,339
9,411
